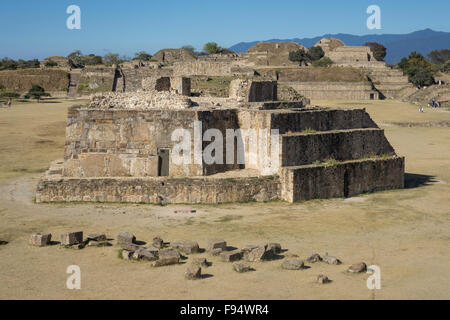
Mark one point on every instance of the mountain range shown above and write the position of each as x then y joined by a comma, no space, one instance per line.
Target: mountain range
397,45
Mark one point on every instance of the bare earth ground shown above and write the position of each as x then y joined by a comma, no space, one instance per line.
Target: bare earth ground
405,232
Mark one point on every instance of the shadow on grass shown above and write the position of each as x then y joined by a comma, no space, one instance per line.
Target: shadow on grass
417,180
3,243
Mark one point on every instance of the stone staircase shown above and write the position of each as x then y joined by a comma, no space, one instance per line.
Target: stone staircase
391,83
74,80
335,153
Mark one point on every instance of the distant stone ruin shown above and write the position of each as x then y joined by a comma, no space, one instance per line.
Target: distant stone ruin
122,147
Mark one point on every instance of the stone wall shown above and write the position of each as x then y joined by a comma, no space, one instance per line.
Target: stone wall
122,143
306,148
335,90
126,143
321,120
203,68
253,91
343,180
157,190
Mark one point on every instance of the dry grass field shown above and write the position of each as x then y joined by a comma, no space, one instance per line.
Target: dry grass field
405,232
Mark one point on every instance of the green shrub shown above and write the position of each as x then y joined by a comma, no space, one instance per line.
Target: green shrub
51,64
9,95
324,62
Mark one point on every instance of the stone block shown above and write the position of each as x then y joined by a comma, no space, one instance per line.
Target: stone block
292,264
193,272
315,257
158,243
231,256
274,247
71,238
126,237
358,268
322,279
215,243
40,240
144,254
167,257
186,246
97,237
331,260
241,268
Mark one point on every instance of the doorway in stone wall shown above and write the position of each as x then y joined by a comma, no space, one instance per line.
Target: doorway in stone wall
163,162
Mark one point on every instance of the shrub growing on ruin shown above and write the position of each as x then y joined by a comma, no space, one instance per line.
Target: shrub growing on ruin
324,62
142,56
50,64
300,56
212,48
316,53
378,50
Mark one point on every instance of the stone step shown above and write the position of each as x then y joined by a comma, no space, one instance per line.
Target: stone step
321,120
345,179
340,145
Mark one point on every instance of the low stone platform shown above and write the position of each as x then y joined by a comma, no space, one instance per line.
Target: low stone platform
342,179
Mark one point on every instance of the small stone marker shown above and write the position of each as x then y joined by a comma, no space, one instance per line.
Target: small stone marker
315,257
158,243
331,260
130,246
193,272
216,252
72,238
40,240
126,237
322,279
202,262
214,243
241,268
231,256
259,254
144,254
97,237
358,268
126,255
293,264
94,243
274,247
186,246
167,257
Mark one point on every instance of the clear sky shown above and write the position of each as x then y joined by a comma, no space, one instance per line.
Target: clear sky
38,28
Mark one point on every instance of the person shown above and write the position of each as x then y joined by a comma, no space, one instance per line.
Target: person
421,109
9,103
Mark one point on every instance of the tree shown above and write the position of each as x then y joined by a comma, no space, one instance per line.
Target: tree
439,56
324,62
112,58
300,56
419,70
212,48
142,56
420,76
8,64
445,67
37,92
378,50
316,53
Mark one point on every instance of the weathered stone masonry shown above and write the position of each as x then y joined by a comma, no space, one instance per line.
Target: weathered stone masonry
119,151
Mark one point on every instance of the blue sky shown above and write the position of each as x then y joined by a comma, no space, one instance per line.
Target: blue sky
38,28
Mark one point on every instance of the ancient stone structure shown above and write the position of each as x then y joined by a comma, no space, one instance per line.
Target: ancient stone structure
121,147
